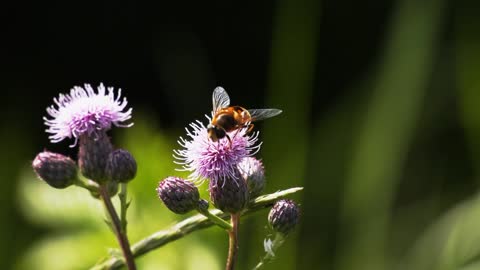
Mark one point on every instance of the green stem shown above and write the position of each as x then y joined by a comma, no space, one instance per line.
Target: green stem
88,185
123,206
187,226
215,219
117,228
233,242
270,251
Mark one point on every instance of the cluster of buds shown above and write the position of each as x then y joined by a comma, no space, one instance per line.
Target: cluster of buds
235,176
222,156
225,158
87,115
231,195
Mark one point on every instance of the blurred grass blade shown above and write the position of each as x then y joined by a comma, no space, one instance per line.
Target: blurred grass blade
292,70
451,242
384,138
467,23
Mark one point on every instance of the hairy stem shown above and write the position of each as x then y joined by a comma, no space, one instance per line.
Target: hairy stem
187,226
123,206
117,228
233,242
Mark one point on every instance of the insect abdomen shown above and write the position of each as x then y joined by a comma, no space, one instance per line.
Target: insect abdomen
226,121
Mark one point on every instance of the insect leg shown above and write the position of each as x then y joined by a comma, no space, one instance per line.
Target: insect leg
230,140
236,132
250,128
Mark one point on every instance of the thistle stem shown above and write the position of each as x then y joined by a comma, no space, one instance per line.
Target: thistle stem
186,227
88,185
123,206
233,242
216,219
117,228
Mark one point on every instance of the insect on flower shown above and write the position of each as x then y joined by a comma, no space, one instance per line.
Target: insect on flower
228,118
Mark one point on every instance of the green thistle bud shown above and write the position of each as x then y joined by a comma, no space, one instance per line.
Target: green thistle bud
121,166
284,216
252,171
229,195
179,195
57,170
112,189
93,155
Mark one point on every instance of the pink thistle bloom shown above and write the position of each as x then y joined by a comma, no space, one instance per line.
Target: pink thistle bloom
206,159
83,111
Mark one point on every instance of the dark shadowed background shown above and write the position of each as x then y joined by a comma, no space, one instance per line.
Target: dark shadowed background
381,125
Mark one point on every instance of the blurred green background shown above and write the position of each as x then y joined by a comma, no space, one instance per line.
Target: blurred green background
381,125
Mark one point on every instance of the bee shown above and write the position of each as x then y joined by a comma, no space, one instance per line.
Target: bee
228,118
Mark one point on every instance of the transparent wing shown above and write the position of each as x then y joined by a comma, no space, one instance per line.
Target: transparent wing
260,114
220,99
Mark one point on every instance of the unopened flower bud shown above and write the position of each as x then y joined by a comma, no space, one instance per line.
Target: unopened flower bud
112,189
252,171
284,216
203,205
179,195
57,170
121,166
229,195
93,155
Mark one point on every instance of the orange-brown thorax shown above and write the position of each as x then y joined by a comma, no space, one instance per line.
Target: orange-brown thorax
231,118
227,120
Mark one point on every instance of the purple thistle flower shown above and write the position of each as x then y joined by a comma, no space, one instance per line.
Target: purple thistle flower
83,111
206,159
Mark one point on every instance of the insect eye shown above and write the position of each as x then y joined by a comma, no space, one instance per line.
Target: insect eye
212,134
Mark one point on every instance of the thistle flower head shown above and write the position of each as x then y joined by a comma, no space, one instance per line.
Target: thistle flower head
206,159
93,155
121,166
180,196
252,171
83,111
283,216
229,196
57,170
